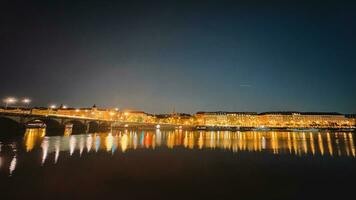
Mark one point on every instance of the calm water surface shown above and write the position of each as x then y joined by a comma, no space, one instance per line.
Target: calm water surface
137,164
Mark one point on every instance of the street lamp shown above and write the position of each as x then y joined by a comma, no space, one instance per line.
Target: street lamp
10,100
26,101
51,107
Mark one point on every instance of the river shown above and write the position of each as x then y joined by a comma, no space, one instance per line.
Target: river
178,164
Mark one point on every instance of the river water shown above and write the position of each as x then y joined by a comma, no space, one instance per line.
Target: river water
178,164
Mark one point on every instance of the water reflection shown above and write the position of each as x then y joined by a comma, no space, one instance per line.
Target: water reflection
0,155
57,150
13,162
44,145
297,143
72,144
33,136
89,143
12,165
293,143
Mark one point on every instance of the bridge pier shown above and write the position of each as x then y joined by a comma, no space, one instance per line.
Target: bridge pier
87,127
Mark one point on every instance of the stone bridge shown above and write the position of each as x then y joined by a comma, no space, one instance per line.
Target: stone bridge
11,123
17,122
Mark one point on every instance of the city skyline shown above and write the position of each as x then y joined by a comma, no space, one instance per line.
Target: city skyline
12,102
25,103
80,119
185,56
177,99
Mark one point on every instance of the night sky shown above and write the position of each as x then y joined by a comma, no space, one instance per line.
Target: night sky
189,56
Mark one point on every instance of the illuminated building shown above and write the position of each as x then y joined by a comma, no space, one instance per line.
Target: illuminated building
136,116
246,119
304,120
276,119
351,118
294,120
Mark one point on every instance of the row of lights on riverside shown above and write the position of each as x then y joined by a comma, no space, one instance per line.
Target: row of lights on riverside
12,100
25,101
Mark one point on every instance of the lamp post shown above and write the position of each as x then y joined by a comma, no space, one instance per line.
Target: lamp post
10,100
26,101
51,107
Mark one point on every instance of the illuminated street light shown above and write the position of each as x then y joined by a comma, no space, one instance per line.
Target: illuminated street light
64,107
26,101
10,100
51,107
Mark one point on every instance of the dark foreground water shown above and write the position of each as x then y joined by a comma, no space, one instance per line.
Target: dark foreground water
179,165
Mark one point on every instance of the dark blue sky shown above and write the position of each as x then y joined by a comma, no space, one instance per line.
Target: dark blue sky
188,55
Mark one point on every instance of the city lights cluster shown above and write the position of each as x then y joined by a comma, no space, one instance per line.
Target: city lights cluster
54,106
13,101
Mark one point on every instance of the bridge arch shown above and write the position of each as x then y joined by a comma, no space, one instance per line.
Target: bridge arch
53,126
10,127
104,126
78,127
93,126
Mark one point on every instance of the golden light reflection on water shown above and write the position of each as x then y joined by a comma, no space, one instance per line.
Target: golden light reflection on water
33,136
109,142
332,144
296,143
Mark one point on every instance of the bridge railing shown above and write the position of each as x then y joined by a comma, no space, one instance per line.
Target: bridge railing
51,113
